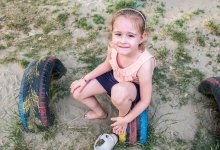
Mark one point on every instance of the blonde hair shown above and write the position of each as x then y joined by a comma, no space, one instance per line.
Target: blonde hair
137,16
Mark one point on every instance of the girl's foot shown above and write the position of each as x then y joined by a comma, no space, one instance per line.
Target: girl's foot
93,115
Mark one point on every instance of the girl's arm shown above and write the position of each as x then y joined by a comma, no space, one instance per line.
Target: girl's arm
145,81
100,69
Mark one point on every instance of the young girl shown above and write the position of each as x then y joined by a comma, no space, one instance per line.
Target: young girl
125,75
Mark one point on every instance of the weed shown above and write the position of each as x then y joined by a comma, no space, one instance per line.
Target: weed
41,20
98,19
176,34
200,39
197,74
209,55
2,47
160,10
180,22
214,43
10,57
48,27
24,63
218,58
182,56
152,23
199,11
215,28
162,53
90,56
82,23
15,134
119,4
61,18
88,38
46,42
154,38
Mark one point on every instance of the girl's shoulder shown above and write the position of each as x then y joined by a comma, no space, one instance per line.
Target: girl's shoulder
149,61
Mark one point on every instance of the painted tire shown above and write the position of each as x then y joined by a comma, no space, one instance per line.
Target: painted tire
34,92
136,130
211,87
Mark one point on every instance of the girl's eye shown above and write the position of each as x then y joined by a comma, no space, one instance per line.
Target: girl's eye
118,34
131,35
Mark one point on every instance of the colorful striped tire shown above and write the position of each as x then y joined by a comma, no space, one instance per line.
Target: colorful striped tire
136,130
34,92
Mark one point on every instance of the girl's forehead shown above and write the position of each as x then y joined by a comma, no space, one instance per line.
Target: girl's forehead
123,23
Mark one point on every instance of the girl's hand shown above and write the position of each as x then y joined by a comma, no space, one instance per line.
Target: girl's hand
78,84
119,126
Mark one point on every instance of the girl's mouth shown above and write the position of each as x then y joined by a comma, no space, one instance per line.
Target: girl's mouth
123,46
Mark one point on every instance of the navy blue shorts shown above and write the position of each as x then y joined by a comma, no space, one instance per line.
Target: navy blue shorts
107,80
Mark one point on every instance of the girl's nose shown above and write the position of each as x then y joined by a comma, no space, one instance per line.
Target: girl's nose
123,40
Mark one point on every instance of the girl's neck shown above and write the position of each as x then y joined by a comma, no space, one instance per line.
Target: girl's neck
125,61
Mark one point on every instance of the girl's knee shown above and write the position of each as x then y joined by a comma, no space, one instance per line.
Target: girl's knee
119,94
77,95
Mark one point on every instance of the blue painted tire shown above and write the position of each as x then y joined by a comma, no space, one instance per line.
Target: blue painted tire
34,92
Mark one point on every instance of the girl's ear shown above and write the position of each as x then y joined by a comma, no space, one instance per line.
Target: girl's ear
144,37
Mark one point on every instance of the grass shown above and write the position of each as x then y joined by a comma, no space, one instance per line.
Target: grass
15,135
180,22
90,37
160,11
62,18
218,58
162,53
153,21
92,59
200,39
213,27
82,23
98,19
199,11
119,4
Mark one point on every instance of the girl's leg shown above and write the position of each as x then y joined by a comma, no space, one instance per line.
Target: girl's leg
86,96
122,95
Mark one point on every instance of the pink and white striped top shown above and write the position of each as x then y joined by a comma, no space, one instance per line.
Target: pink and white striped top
129,73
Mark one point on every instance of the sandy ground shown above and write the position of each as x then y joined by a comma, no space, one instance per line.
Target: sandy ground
176,122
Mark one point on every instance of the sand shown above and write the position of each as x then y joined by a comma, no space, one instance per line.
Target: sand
75,132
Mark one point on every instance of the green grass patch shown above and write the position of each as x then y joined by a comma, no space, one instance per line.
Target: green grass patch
153,21
15,135
90,56
47,28
218,58
2,47
61,18
82,23
213,26
98,19
162,53
46,43
176,34
180,22
182,56
41,20
200,39
119,4
199,11
160,11
91,36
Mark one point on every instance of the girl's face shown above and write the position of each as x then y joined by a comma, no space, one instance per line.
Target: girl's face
126,36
